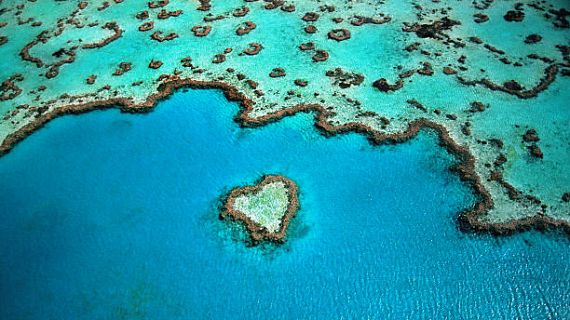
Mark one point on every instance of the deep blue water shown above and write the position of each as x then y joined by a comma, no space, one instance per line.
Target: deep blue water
114,216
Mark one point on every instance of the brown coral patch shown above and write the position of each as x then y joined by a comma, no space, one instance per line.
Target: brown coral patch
211,18
246,28
514,16
241,12
186,62
426,69
117,33
361,20
158,4
310,17
449,70
533,38
432,30
480,18
164,14
531,136
273,4
383,85
149,25
9,89
142,15
91,79
201,31
416,104
124,67
310,29
155,64
320,55
344,79
204,5
219,58
253,49
288,8
535,151
301,82
339,34
277,73
561,15
158,36
307,46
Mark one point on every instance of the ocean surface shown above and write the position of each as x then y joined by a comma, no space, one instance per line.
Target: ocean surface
115,216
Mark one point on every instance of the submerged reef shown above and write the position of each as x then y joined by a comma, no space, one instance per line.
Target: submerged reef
266,209
385,70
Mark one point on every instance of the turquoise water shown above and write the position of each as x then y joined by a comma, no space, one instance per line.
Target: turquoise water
114,216
374,51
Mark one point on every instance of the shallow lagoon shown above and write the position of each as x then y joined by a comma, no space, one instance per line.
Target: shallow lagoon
119,220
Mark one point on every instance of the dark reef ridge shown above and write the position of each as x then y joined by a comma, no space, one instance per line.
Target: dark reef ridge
469,220
514,88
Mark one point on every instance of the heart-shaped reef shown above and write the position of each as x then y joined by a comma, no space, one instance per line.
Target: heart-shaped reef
265,208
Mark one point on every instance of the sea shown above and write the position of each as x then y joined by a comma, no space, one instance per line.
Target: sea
108,215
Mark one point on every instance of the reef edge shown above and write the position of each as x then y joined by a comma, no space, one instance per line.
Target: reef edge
467,221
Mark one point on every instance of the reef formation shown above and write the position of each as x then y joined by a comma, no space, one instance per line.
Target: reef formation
385,70
266,209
